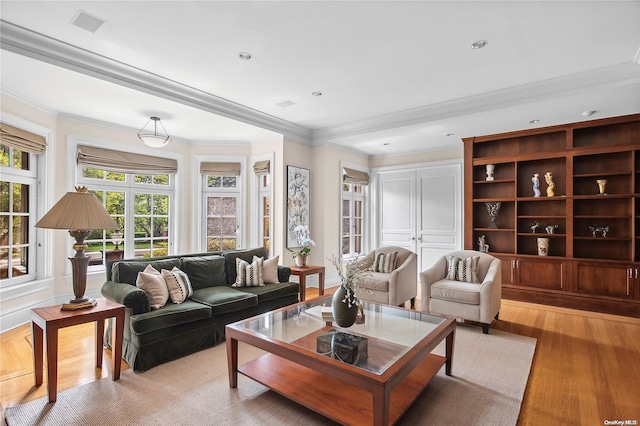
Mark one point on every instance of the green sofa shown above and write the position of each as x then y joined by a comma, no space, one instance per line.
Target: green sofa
153,337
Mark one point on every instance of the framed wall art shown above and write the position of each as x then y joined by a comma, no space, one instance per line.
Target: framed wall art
297,201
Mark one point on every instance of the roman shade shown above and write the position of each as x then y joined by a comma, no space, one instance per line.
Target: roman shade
355,176
262,167
125,162
22,140
220,169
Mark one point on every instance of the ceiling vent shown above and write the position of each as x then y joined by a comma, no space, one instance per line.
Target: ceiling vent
87,22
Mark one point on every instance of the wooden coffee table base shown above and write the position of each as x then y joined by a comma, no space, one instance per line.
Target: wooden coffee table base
353,405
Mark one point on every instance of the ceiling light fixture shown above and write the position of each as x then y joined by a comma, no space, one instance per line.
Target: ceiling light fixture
479,44
588,113
153,138
317,93
449,134
245,56
534,121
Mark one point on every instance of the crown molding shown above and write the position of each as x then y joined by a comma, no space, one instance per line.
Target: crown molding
28,43
615,75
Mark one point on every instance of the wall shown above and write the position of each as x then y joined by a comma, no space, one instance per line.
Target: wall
418,157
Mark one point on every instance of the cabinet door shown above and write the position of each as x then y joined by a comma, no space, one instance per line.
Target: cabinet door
605,279
507,266
541,273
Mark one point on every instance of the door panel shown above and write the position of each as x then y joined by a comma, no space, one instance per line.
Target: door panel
603,279
548,273
397,209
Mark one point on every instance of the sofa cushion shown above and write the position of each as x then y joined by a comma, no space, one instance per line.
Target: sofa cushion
269,269
463,269
273,291
378,281
456,291
169,316
249,274
224,299
204,271
246,255
385,262
154,284
127,271
178,285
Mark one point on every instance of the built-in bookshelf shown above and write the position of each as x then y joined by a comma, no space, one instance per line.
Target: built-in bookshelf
591,223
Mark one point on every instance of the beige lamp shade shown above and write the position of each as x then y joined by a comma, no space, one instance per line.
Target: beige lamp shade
78,210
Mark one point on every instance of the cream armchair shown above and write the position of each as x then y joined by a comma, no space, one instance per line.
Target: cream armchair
471,301
395,287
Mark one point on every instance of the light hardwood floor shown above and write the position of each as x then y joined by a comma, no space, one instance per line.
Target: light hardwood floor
586,368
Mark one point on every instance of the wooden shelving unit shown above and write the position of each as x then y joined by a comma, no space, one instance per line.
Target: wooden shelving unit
581,270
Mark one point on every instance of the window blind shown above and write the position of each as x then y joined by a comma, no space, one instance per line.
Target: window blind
220,169
125,162
262,167
355,176
22,140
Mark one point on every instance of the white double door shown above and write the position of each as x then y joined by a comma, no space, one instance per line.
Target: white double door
421,209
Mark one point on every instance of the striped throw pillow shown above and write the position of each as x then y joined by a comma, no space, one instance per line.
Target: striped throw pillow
385,262
463,270
178,284
248,274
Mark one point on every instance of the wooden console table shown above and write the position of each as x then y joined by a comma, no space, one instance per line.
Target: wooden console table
47,321
302,272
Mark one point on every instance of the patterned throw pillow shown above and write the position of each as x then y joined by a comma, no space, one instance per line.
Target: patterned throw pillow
154,284
385,262
269,269
248,275
463,270
178,284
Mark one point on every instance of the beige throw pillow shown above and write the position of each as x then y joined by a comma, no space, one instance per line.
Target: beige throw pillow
385,262
248,275
153,283
269,269
178,284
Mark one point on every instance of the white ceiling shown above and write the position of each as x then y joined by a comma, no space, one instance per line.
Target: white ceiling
396,77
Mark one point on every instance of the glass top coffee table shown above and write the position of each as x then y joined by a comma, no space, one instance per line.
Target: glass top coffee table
375,369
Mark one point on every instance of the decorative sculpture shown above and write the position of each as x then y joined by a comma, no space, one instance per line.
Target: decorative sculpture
595,229
534,227
483,247
550,228
490,169
543,246
549,178
536,185
602,183
493,207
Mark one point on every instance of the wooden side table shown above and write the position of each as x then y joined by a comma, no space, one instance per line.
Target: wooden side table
302,272
49,320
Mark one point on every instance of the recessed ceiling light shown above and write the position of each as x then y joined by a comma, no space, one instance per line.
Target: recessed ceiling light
449,134
386,143
285,104
588,113
479,44
245,56
86,21
534,121
317,93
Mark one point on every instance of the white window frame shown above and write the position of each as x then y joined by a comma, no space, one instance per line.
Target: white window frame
203,192
365,212
257,192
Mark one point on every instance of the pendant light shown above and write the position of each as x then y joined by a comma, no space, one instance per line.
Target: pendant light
151,137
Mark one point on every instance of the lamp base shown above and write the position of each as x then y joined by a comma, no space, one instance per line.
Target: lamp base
74,305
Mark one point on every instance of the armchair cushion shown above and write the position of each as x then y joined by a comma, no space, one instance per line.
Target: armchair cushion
463,270
456,291
385,262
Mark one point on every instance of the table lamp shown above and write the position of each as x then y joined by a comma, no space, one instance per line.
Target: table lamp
79,212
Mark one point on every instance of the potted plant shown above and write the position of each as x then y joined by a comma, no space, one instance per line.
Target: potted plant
303,237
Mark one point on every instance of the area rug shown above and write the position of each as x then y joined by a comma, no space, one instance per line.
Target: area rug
490,373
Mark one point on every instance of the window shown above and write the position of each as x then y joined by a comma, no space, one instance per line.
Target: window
264,195
353,208
17,215
222,208
142,206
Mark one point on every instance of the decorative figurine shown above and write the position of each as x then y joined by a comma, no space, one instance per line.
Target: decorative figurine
551,229
536,185
490,169
483,247
601,185
534,227
543,246
493,207
549,178
595,229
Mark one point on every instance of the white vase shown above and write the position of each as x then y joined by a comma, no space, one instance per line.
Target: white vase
543,246
302,260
